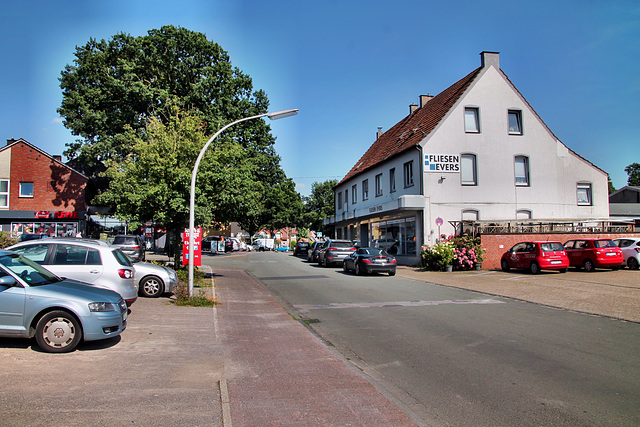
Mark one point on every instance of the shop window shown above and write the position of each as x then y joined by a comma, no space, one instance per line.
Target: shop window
26,189
4,193
396,236
378,184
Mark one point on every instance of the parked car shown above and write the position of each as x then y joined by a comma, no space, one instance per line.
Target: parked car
536,256
237,244
312,252
24,237
86,260
211,244
131,245
594,253
263,244
154,280
370,260
630,247
301,248
59,313
334,251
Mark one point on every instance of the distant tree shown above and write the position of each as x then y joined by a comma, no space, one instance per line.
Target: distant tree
117,86
611,187
320,204
633,171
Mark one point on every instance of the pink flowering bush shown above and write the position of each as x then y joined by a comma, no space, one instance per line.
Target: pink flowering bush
463,253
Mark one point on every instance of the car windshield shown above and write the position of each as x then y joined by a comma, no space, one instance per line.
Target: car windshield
27,270
121,258
604,244
552,246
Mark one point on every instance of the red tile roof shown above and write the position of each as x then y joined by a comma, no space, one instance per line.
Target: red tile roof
408,133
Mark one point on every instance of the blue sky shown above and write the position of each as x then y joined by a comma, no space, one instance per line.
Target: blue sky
352,66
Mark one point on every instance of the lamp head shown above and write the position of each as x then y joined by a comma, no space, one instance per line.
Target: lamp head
282,114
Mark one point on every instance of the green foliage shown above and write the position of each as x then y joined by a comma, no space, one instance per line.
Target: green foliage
611,187
320,205
6,240
633,171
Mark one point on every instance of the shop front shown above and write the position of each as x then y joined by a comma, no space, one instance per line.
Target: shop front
47,223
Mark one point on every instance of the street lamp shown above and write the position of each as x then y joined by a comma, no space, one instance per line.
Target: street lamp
192,201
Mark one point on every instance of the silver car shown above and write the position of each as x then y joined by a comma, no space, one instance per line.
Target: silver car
154,280
86,260
58,312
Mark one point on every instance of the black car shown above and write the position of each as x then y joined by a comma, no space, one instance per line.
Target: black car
214,241
312,252
370,260
301,248
334,251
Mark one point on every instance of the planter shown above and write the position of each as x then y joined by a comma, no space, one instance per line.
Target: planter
448,268
477,267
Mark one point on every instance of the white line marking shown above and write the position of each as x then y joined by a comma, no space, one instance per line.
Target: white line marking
332,306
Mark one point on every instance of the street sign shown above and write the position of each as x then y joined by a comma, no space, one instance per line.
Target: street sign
439,221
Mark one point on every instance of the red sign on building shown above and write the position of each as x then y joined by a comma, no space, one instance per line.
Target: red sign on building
197,246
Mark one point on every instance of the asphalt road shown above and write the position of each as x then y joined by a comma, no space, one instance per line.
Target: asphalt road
461,358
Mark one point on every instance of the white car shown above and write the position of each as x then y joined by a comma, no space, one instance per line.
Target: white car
154,280
630,251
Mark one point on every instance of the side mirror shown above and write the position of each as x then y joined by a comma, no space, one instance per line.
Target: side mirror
7,281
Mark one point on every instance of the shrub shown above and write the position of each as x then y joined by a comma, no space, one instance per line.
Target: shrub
6,240
463,253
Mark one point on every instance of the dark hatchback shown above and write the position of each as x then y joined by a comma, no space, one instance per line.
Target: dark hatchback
130,244
370,260
301,248
334,252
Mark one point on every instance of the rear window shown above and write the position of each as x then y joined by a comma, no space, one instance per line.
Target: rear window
123,240
604,244
121,258
342,244
552,247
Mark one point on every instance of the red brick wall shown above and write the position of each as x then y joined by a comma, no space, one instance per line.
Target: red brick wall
493,252
55,186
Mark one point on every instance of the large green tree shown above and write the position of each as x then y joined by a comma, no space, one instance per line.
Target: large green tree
124,82
320,204
633,171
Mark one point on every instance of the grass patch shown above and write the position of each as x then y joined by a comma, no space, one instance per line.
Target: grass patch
199,297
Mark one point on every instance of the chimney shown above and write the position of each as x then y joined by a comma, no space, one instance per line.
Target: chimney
379,133
490,58
424,99
11,141
57,157
412,108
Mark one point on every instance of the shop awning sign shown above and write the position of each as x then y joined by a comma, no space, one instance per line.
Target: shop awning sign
442,163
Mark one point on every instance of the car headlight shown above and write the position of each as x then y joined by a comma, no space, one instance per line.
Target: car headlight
101,306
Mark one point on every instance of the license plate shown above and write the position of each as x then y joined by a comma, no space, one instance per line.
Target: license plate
611,254
556,262
380,260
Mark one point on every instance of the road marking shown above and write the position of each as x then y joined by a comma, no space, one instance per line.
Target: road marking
516,278
306,307
317,276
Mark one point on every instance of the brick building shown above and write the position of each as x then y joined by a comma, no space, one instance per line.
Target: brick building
38,193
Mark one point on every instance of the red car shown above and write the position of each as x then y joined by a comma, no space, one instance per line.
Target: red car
594,252
536,256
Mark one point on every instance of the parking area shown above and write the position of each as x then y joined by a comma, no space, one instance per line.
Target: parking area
603,292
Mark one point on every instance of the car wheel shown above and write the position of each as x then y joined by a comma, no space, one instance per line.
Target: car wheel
58,332
392,273
534,268
632,263
588,265
151,287
505,265
563,270
358,270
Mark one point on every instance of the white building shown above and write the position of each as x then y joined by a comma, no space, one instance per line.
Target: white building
476,151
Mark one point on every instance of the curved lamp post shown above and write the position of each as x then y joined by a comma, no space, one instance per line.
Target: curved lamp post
192,201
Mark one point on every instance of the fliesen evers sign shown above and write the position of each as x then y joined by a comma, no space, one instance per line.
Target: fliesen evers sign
442,163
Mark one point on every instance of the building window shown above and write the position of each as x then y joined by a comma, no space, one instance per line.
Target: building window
408,174
365,189
392,180
339,200
522,171
523,214
346,199
378,184
354,194
584,195
26,189
471,121
4,193
515,122
468,170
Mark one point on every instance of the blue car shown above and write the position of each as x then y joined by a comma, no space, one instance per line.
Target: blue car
59,313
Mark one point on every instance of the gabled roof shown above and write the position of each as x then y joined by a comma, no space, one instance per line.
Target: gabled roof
408,132
12,142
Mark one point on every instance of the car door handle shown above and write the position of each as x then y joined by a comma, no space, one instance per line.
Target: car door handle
94,271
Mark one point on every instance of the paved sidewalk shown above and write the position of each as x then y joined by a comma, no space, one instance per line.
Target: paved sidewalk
278,373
